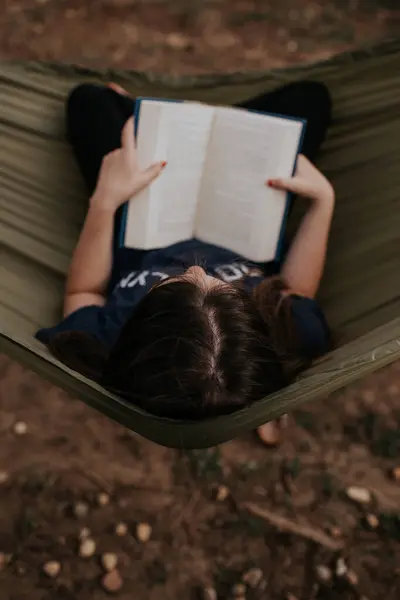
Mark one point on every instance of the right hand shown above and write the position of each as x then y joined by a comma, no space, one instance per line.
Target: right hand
307,182
120,176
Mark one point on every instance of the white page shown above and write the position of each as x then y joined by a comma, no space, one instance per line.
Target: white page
237,210
182,139
137,216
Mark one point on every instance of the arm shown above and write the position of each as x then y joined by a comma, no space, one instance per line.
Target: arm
120,179
91,264
305,261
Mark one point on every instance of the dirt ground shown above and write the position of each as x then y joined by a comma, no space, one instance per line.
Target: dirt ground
67,474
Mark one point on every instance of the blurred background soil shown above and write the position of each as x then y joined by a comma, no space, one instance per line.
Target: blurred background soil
67,473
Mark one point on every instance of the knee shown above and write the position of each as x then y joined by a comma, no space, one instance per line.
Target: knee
319,95
82,97
320,90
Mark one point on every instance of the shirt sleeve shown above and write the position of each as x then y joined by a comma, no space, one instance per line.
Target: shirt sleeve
87,319
313,329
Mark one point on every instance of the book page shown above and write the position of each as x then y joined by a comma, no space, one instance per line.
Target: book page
182,139
137,210
237,210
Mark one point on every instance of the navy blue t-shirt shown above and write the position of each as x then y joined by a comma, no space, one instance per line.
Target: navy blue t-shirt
136,271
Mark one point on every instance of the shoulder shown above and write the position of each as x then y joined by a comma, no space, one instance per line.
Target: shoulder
311,326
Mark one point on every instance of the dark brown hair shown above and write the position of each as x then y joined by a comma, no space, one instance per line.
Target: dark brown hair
190,353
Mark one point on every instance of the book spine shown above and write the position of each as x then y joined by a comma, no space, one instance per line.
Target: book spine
289,197
124,212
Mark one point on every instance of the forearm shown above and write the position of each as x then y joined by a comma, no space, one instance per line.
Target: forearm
91,264
305,261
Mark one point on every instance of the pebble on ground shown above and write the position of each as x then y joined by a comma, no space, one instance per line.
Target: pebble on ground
143,532
112,582
87,548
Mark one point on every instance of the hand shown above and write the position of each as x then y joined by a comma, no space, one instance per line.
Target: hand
120,176
117,88
307,182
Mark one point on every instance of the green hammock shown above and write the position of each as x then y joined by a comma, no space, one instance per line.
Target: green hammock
42,205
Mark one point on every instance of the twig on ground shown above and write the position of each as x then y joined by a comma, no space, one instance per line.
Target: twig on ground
96,479
187,510
288,526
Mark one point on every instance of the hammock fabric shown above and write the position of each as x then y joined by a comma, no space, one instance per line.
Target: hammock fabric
43,203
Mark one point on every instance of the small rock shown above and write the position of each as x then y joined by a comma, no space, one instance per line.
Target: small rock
223,41
395,474
38,28
352,578
121,529
20,428
372,521
239,590
256,53
80,510
109,561
368,396
52,568
358,494
143,532
177,41
87,548
290,596
292,46
103,499
84,533
324,574
341,567
6,558
336,532
112,582
209,594
3,561
71,13
253,577
270,434
62,540
310,13
393,389
222,493
3,477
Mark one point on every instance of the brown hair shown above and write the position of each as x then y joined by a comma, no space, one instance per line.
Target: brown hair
191,353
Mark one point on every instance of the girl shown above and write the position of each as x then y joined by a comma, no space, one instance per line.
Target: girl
192,330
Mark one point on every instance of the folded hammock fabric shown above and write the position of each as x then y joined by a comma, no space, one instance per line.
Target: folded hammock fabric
42,206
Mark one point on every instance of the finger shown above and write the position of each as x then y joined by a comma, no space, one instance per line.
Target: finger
152,172
128,137
282,184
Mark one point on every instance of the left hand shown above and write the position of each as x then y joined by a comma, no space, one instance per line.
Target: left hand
307,182
120,176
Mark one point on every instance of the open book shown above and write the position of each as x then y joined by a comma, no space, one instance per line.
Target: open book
213,187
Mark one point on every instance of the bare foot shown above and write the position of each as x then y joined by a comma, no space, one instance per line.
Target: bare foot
271,433
117,88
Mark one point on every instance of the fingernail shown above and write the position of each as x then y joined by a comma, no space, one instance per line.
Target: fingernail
270,182
164,163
